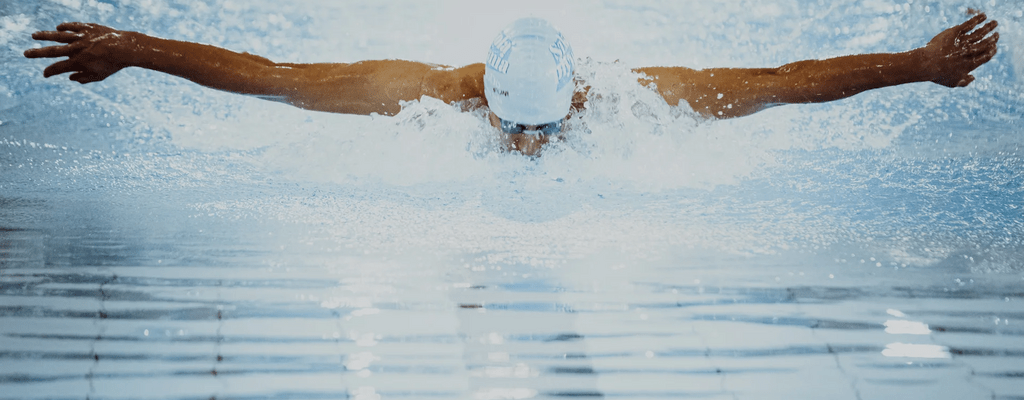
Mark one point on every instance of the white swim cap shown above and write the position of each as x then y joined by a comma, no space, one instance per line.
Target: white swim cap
529,76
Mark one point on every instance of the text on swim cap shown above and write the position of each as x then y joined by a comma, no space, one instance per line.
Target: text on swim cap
564,60
497,57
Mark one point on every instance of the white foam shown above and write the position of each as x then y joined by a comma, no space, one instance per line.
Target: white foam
635,176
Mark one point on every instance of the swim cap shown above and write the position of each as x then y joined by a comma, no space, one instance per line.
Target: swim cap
529,73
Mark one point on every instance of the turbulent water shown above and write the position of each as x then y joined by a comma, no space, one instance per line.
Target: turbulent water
162,240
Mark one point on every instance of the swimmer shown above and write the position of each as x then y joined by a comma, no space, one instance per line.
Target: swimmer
526,82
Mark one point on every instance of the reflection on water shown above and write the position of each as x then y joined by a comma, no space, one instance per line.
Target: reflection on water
132,317
897,327
915,350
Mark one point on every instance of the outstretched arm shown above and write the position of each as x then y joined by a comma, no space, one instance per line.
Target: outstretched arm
95,52
947,59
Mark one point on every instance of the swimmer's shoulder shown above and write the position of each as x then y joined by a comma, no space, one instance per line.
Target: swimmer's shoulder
464,85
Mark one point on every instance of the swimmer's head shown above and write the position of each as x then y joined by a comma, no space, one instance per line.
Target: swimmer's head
529,76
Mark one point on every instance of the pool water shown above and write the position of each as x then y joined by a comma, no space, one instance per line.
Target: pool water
160,240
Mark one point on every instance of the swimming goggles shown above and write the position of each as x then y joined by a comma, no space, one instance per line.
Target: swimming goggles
549,128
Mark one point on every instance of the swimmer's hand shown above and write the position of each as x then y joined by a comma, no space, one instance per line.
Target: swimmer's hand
953,54
94,51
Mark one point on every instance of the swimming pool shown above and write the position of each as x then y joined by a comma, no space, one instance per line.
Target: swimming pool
160,240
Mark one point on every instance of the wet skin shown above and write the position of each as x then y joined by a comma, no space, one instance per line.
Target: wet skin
95,52
529,144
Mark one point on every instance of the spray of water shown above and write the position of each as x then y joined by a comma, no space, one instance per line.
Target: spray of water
632,173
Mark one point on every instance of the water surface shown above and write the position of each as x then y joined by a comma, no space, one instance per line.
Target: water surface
161,240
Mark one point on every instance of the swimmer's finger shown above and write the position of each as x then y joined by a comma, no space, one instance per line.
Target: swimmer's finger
59,67
991,40
966,81
983,31
985,46
971,23
973,49
50,52
74,26
986,56
53,36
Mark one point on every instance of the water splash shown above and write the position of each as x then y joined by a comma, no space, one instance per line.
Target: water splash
940,167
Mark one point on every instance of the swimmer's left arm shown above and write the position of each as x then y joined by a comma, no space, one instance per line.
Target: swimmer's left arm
948,59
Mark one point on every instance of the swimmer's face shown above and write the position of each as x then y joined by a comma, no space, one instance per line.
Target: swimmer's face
527,143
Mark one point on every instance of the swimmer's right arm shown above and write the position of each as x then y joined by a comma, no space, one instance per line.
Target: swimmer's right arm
95,52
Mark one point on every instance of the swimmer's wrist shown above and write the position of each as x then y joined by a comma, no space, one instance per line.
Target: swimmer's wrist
144,51
926,63
919,61
134,47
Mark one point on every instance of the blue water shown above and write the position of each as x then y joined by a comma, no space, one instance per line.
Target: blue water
162,240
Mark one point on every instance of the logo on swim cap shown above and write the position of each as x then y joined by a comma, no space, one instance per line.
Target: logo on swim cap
529,73
564,60
497,57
